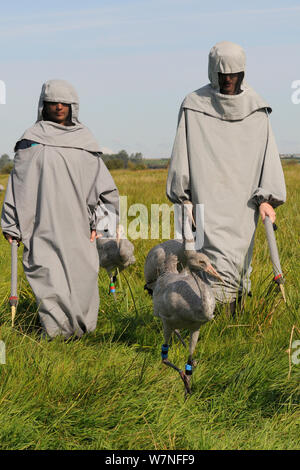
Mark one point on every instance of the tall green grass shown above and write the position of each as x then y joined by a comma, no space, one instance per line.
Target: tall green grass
109,390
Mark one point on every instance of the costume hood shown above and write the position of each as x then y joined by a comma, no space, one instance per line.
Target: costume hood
59,91
225,57
57,135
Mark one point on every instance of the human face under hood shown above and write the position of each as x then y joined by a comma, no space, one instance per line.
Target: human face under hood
60,113
230,83
226,67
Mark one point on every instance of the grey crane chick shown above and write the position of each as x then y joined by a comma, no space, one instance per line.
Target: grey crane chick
157,256
156,259
115,254
184,300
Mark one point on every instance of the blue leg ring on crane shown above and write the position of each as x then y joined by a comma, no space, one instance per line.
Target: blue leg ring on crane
164,351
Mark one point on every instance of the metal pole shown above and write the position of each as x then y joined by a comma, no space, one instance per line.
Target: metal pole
278,276
13,300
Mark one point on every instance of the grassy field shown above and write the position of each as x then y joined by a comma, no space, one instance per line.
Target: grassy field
110,391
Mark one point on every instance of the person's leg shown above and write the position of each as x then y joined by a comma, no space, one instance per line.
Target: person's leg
238,305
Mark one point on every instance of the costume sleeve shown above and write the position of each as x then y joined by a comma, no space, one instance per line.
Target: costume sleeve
271,186
9,217
178,181
104,198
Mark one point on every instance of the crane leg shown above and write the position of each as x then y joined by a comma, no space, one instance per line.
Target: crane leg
164,356
191,363
112,287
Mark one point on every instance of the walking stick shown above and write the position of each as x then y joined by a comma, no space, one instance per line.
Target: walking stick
13,300
278,276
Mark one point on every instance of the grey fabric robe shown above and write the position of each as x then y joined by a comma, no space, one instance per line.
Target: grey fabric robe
225,157
50,204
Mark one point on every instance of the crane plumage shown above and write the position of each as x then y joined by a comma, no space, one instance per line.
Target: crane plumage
157,256
182,300
115,254
156,259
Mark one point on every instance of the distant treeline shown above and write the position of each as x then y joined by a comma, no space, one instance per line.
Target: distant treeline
134,161
6,164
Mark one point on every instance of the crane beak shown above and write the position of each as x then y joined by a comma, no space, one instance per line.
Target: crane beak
210,270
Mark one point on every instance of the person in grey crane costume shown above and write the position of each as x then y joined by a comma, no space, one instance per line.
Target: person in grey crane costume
225,157
56,184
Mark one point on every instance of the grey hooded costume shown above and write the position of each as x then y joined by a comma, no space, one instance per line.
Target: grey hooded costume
50,204
225,157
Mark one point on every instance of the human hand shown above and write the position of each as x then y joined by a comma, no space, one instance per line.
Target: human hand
266,209
10,239
94,235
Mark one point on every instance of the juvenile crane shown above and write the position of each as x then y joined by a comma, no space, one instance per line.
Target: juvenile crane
155,263
115,254
184,300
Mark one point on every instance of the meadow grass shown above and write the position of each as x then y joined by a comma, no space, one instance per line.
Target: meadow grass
110,391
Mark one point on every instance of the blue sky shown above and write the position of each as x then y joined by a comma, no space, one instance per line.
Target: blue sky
132,62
